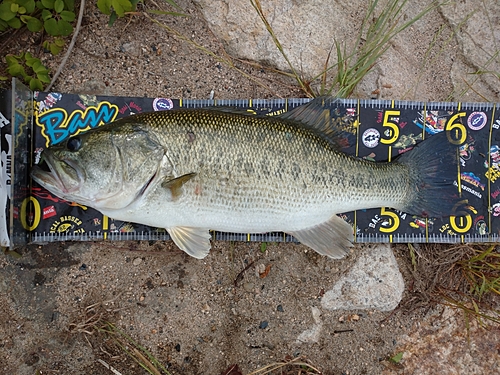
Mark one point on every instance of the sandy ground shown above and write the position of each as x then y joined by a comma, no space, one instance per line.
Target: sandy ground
198,316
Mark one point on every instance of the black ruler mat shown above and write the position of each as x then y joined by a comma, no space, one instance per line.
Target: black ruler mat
377,130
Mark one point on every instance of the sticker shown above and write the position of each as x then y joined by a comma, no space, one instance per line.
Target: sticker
480,226
472,179
162,104
371,138
49,212
477,120
495,209
67,224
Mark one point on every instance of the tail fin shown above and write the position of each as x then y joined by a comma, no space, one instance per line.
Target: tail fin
433,167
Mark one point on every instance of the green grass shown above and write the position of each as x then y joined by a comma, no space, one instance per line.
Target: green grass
133,349
464,276
381,23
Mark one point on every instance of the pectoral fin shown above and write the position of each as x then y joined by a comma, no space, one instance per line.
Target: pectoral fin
175,185
194,241
331,238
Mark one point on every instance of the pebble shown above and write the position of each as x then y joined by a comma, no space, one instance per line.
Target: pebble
280,308
354,317
249,287
263,324
259,269
137,261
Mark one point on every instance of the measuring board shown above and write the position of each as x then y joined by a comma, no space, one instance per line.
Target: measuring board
377,130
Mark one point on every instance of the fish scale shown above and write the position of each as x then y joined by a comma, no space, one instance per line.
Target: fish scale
292,183
190,171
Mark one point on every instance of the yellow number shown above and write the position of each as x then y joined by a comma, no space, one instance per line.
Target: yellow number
394,220
456,131
393,127
37,213
461,227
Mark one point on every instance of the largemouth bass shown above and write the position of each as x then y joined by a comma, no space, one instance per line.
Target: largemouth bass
192,170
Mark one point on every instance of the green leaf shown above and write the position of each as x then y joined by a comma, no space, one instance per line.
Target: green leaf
36,65
44,77
34,25
46,14
65,28
16,70
54,49
48,4
121,6
2,78
40,69
14,7
39,5
112,18
59,42
29,5
104,6
36,85
5,13
15,23
21,10
263,247
59,6
51,27
68,16
11,59
32,61
397,358
70,5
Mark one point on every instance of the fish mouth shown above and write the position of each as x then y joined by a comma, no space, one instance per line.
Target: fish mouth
59,176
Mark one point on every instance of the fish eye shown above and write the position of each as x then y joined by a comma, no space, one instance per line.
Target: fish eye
74,144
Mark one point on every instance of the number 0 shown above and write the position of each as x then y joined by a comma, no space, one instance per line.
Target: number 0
37,213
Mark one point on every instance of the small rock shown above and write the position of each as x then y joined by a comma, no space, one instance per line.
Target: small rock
137,261
280,308
268,345
263,324
374,282
259,269
353,317
249,287
131,48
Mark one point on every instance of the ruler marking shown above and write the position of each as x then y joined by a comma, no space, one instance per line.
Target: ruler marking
105,226
489,166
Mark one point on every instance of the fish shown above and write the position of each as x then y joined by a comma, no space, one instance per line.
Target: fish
195,170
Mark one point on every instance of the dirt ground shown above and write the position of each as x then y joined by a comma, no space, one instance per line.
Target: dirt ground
202,316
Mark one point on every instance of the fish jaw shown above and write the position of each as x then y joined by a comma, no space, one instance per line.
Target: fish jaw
64,177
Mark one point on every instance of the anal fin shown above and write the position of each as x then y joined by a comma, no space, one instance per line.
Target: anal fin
194,241
331,238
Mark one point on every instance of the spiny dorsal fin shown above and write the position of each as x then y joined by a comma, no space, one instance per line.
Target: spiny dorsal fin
316,115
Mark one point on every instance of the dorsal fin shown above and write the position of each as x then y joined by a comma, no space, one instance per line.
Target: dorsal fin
316,115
